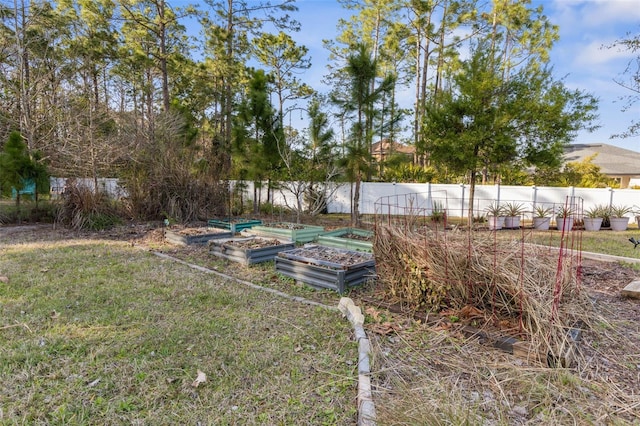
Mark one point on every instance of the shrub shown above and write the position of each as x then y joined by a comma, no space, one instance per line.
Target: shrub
83,209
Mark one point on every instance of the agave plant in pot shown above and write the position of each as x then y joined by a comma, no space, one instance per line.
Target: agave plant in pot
513,211
541,217
618,219
564,218
594,216
495,216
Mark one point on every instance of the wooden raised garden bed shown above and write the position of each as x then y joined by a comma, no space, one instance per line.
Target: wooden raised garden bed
234,225
290,231
326,267
348,238
186,236
249,250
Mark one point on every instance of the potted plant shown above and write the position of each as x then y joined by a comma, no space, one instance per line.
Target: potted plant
564,218
541,217
593,217
618,221
513,212
495,216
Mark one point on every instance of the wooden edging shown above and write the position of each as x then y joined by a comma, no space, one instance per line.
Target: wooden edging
366,407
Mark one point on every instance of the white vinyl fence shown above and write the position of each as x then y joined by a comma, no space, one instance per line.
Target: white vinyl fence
455,197
108,185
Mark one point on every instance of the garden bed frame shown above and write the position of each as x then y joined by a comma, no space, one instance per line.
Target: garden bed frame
227,250
336,239
324,274
234,226
291,231
175,237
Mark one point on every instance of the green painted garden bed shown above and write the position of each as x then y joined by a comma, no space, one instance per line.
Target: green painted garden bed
348,238
233,225
290,231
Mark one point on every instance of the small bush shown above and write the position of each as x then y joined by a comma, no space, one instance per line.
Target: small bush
270,209
84,209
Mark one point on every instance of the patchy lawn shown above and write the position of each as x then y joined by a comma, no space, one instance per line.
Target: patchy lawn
96,331
100,332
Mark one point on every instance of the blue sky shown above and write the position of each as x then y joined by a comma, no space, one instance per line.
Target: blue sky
585,26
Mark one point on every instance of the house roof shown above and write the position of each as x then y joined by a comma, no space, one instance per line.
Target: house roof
613,161
384,147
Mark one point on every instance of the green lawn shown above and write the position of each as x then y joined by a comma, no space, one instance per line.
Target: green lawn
96,332
603,241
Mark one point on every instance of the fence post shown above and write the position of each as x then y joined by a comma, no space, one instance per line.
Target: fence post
610,196
462,186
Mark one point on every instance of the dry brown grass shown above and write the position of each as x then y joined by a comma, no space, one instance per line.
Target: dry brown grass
520,289
424,376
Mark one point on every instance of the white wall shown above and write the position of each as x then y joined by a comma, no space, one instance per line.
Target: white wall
108,185
385,197
399,198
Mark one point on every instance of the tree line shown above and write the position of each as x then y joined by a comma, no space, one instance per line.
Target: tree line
129,89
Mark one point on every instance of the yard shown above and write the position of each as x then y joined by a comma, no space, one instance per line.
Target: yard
96,330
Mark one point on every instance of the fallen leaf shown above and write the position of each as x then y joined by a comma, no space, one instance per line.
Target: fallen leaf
373,313
54,314
384,328
471,312
92,384
298,348
201,378
4,279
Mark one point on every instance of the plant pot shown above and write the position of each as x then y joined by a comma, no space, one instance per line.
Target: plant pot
592,223
619,223
541,223
564,224
512,222
495,222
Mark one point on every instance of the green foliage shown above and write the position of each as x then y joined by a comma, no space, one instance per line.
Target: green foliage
513,209
256,134
599,210
14,164
585,174
409,173
270,209
17,167
488,120
540,210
